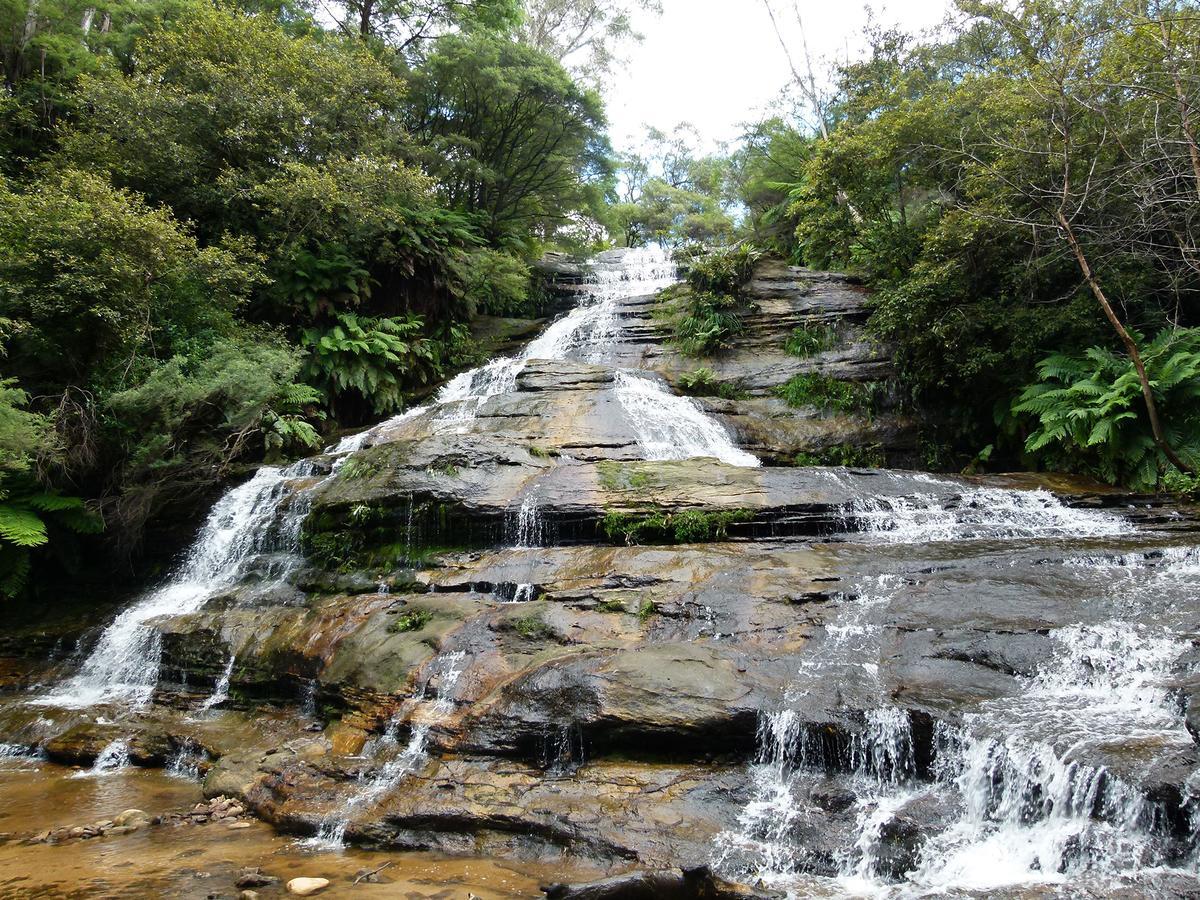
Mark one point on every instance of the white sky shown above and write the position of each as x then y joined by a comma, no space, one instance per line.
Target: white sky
718,64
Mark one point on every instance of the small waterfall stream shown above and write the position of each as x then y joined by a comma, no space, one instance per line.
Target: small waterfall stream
1031,799
446,670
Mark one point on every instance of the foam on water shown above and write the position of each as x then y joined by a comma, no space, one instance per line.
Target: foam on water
668,426
1027,779
980,513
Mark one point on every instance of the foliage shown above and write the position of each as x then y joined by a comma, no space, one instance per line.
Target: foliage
870,456
721,270
28,512
585,34
827,393
661,527
947,165
1089,413
706,314
495,283
410,620
671,193
533,628
97,282
512,140
370,359
703,382
809,340
195,415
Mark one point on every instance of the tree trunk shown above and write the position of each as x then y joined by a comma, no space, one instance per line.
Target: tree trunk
1127,339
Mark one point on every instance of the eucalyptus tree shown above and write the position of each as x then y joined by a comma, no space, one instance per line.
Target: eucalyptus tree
587,36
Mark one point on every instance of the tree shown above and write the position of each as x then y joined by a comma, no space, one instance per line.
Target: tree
673,194
1074,155
96,283
512,140
585,35
405,24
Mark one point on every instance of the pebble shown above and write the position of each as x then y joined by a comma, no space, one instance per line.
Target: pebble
239,825
306,887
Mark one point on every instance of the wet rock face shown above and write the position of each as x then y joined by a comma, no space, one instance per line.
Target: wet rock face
513,635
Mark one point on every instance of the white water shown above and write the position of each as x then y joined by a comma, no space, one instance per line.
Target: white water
530,533
1036,805
221,690
247,521
111,760
979,513
672,427
586,332
331,835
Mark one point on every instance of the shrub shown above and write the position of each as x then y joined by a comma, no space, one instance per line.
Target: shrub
703,382
817,389
371,358
809,340
724,270
870,456
713,303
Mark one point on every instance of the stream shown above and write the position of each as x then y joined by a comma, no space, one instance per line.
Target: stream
976,688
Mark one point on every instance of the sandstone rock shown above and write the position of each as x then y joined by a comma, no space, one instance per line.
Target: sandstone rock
306,887
254,877
132,818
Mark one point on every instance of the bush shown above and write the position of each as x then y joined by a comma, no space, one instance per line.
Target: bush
704,383
809,340
871,456
707,312
370,358
28,512
824,392
412,620
1090,415
724,270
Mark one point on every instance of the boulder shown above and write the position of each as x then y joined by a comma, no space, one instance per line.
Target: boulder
306,887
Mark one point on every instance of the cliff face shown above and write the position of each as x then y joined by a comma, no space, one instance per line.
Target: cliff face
561,615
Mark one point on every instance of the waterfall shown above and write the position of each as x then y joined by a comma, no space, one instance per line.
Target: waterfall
979,513
331,834
251,519
260,521
113,758
221,690
587,331
529,533
1024,779
672,427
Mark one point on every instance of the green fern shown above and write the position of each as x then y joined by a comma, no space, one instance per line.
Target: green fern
372,357
1089,411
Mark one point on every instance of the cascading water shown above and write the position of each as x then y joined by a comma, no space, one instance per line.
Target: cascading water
113,758
1026,780
250,520
528,534
672,427
586,332
446,669
981,513
220,690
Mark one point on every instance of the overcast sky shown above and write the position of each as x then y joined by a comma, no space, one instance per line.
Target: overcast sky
717,63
